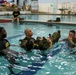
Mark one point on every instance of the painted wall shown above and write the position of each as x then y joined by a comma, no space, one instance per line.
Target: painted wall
9,0
70,6
54,1
15,1
45,7
21,2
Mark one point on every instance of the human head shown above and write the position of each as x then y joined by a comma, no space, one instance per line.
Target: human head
59,31
16,9
72,34
57,19
3,33
28,33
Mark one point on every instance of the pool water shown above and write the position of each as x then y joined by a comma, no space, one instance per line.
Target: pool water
57,61
63,18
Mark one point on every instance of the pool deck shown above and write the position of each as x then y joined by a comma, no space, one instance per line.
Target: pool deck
50,23
43,22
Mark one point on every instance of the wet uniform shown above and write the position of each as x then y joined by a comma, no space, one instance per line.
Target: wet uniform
70,43
31,43
55,37
25,40
3,45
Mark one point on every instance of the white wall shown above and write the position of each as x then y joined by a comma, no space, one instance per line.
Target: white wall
15,2
55,2
71,6
8,0
21,2
59,7
45,7
58,1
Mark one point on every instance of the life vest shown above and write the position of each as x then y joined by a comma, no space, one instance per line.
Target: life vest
4,44
55,37
24,41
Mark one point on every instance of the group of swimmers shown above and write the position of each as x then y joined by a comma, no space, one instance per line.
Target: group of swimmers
41,43
29,43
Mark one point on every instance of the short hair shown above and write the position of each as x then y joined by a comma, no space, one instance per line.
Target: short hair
26,30
1,29
73,31
59,31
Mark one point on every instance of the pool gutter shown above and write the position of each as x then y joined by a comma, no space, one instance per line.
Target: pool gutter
42,22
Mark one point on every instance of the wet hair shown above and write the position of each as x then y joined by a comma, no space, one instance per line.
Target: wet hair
1,29
44,44
57,19
50,36
58,31
2,35
29,45
73,31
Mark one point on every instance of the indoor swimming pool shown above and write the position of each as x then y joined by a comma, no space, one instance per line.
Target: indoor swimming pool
57,61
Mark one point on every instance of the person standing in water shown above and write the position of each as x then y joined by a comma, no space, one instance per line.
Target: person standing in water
71,39
8,54
26,41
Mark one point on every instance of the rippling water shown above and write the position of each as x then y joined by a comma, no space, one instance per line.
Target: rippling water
55,61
